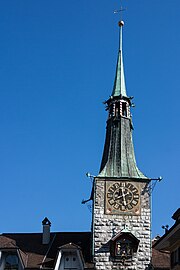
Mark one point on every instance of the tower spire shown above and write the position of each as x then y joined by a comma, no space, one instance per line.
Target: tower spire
119,82
118,157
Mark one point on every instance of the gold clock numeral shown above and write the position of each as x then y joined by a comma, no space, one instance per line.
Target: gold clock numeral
111,202
116,185
134,202
116,206
129,206
110,195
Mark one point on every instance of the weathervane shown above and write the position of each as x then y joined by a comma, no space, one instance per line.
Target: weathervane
120,11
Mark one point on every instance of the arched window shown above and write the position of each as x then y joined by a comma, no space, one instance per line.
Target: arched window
11,262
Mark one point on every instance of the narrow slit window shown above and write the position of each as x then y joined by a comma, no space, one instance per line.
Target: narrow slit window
117,109
124,109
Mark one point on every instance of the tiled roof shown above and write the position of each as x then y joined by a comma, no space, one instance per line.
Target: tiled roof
6,242
35,253
160,259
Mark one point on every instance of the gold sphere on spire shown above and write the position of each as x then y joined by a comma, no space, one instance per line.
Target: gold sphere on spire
121,23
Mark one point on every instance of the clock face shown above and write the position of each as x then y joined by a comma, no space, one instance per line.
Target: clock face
122,197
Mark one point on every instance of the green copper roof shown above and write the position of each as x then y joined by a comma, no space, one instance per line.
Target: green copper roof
119,82
118,158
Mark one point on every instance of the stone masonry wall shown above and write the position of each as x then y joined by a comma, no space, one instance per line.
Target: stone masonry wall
106,226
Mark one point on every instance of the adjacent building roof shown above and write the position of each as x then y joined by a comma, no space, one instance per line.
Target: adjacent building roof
160,260
35,254
171,236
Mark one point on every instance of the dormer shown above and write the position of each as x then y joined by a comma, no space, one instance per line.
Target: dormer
70,257
11,257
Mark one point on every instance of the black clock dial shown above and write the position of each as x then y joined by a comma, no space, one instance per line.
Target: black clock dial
123,196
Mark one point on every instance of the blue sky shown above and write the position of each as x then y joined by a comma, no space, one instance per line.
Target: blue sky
57,66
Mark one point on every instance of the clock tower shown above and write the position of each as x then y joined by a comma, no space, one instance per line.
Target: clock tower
121,203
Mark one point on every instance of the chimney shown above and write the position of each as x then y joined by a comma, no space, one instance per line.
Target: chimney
46,231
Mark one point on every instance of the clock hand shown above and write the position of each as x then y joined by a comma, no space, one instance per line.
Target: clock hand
118,195
123,195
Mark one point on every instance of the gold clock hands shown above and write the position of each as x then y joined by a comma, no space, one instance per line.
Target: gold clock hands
124,196
118,194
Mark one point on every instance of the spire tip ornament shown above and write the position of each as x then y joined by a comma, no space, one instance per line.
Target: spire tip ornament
121,23
119,87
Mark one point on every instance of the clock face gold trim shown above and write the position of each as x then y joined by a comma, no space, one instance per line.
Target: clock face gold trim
122,197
